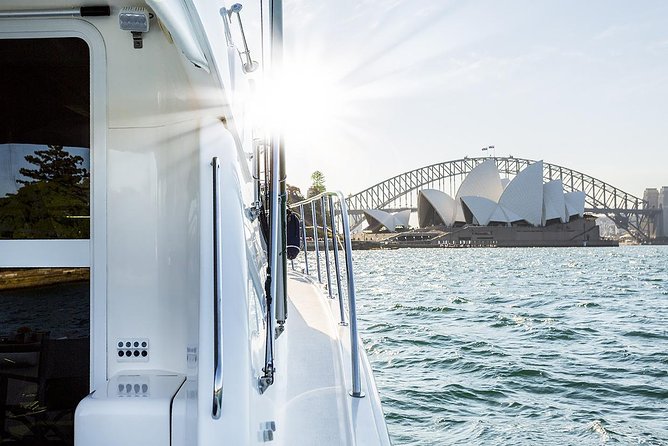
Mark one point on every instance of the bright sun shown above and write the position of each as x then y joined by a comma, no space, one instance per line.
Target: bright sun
306,105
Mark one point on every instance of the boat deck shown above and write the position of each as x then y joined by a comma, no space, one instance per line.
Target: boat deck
315,383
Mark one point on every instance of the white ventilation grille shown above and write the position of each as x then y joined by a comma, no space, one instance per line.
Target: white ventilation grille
133,386
132,350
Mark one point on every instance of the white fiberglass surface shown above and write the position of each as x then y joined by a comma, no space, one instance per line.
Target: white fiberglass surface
316,377
152,227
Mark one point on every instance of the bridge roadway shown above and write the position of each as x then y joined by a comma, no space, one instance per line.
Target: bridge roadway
626,210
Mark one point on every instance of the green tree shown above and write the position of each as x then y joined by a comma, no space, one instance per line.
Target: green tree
54,164
52,203
317,184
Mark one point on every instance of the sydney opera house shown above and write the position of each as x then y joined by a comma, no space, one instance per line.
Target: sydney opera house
485,199
488,210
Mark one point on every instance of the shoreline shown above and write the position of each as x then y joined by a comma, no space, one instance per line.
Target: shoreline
18,278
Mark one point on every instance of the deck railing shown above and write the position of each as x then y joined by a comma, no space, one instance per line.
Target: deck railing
326,201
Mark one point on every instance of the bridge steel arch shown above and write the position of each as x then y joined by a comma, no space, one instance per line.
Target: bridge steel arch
626,210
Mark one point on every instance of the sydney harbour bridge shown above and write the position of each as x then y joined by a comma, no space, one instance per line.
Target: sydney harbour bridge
400,192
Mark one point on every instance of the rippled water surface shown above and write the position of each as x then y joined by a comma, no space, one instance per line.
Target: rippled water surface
565,346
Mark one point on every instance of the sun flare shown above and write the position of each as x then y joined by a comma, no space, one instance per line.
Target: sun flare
305,105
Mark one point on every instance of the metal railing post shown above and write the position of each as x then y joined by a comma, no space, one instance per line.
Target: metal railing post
217,408
301,212
356,391
315,240
326,237
337,267
354,339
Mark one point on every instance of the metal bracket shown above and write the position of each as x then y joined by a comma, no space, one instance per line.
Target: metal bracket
266,380
253,211
249,65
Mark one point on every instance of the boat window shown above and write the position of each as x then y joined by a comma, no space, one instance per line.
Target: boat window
44,139
44,352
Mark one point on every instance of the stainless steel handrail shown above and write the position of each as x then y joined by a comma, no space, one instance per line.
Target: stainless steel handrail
314,221
335,240
347,245
301,212
217,408
326,240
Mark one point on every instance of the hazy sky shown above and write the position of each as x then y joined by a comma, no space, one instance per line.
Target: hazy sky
381,87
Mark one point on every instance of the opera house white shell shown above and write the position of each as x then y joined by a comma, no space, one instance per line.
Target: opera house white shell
433,201
482,199
483,181
554,202
524,194
575,203
377,219
484,211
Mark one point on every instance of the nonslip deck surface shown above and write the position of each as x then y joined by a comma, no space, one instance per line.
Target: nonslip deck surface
315,394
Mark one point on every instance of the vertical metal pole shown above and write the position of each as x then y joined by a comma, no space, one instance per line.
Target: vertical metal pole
272,295
326,236
217,294
256,171
315,240
354,339
337,267
267,163
301,212
278,146
276,7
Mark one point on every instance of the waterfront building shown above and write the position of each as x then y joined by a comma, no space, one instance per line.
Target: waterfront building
651,196
662,229
485,199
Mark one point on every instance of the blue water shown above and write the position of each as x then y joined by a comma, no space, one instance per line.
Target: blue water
565,346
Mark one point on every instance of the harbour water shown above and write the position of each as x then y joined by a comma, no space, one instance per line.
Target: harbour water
542,346
528,346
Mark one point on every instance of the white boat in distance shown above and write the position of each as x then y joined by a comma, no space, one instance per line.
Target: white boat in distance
200,331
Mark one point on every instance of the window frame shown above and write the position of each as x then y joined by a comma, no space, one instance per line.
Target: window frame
89,252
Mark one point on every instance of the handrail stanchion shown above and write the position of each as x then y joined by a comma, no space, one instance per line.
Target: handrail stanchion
326,237
315,239
337,267
356,391
301,212
217,408
354,340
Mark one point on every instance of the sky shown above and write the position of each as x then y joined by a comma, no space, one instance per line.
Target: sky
377,88
12,159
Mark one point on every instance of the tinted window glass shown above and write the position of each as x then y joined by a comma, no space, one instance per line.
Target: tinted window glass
44,139
44,353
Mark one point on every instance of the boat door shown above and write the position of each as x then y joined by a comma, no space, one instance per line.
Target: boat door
51,226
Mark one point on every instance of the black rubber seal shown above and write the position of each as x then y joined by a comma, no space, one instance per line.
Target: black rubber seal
95,11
